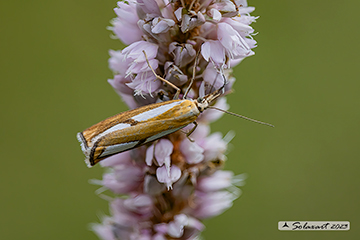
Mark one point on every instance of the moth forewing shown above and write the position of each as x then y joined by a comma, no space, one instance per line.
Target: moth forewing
136,127
125,118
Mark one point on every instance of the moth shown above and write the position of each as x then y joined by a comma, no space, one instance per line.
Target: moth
139,126
134,128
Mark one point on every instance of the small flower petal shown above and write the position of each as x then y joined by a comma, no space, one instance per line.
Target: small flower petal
217,181
213,50
163,150
104,231
163,177
152,186
135,51
176,227
161,25
234,44
145,7
191,151
213,78
174,74
183,53
141,204
125,25
149,155
212,204
215,14
118,62
144,83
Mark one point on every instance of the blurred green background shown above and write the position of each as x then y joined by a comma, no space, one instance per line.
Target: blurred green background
304,79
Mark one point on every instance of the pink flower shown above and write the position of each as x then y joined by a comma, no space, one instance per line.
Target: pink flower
213,50
105,230
190,20
192,152
214,147
215,14
226,8
144,83
127,176
147,7
134,54
174,74
160,153
168,176
212,203
119,83
218,181
164,188
212,77
235,45
183,53
118,62
161,25
180,226
125,25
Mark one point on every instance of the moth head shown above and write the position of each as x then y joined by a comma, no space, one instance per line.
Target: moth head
202,103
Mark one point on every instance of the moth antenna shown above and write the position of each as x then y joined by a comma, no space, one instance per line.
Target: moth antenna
225,82
176,96
240,116
217,72
193,75
220,71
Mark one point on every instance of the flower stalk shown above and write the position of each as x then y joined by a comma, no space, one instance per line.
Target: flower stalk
163,190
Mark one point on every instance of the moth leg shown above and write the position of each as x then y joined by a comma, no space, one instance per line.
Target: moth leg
191,131
176,96
193,75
